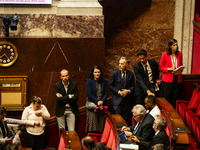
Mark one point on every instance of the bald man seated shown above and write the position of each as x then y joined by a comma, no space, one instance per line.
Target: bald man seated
88,144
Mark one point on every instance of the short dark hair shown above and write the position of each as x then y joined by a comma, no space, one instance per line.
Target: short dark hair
151,99
127,60
170,43
2,110
161,122
88,140
65,70
159,147
142,52
36,99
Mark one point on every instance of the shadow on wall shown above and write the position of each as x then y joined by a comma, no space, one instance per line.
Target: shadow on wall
118,14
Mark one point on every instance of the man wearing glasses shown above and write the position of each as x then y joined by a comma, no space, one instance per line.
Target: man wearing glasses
142,128
66,92
147,77
160,137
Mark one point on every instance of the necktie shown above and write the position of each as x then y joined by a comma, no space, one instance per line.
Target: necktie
3,129
123,79
147,77
134,132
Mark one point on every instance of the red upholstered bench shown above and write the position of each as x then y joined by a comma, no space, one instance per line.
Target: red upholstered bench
182,106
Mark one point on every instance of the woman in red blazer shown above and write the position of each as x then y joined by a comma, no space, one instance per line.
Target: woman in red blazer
171,60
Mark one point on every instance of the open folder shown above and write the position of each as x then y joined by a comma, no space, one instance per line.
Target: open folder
178,70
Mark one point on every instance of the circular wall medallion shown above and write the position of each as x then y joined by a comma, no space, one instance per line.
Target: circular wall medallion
8,54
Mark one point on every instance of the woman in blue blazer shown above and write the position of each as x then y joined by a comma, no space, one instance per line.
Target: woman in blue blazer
97,93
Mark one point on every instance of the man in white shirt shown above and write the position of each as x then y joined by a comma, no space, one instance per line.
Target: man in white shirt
147,77
152,108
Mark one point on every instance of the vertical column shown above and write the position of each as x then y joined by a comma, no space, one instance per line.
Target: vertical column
183,30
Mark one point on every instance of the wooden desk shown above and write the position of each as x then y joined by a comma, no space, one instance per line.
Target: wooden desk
180,140
73,137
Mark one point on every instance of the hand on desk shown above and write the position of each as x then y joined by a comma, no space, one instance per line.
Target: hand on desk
134,138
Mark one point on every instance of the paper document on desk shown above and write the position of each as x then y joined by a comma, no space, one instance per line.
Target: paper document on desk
128,146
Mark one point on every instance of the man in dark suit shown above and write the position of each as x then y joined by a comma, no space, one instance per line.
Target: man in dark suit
160,137
66,92
121,83
142,128
89,144
147,77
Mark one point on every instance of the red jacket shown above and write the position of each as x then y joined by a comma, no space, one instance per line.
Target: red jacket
165,63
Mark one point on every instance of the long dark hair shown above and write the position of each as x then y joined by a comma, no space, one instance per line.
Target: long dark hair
92,76
170,43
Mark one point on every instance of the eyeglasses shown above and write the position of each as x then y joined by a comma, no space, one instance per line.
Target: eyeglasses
135,116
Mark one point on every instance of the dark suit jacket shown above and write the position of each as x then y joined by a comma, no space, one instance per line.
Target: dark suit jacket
100,146
91,90
145,131
62,101
115,85
160,138
140,76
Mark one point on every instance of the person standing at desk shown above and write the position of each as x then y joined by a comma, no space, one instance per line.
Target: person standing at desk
147,76
171,82
66,92
121,83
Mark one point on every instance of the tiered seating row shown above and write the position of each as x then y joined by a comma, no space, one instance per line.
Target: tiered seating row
190,113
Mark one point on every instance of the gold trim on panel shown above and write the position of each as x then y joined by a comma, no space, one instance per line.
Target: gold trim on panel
4,63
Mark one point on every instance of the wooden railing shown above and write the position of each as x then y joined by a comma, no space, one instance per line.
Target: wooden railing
179,140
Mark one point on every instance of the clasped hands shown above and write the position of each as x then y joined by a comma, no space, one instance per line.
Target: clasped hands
124,92
128,133
100,104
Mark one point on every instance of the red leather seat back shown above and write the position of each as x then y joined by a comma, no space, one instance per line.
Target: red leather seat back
112,140
106,132
195,100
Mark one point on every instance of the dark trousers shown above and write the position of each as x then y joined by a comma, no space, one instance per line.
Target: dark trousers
139,99
35,141
122,109
171,91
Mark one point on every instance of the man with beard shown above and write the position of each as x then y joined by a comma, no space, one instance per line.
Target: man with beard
66,93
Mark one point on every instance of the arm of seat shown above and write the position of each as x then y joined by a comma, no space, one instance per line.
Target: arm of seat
181,101
198,116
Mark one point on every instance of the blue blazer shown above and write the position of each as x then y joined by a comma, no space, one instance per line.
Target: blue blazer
91,90
115,85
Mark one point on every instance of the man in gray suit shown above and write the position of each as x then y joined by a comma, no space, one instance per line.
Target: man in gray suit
4,139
